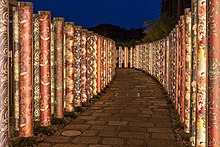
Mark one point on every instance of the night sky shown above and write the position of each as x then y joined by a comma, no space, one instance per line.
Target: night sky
87,13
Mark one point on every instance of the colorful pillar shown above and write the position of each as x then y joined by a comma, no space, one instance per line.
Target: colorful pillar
89,67
202,76
95,64
77,62
25,10
182,101
36,59
52,65
58,69
194,74
188,68
83,66
99,65
69,30
16,67
4,118
213,75
126,57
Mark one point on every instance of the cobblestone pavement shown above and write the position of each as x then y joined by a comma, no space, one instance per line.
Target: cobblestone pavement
133,113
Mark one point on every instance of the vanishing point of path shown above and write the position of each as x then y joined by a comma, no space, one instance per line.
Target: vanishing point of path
133,113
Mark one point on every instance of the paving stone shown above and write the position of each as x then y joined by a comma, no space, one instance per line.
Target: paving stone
69,145
86,140
118,123
57,139
76,127
164,135
108,133
89,133
133,135
97,145
113,141
44,145
135,142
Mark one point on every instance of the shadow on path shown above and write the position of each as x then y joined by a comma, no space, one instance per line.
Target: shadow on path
132,113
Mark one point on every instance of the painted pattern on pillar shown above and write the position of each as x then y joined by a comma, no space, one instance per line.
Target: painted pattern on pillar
194,76
4,8
69,29
201,75
16,67
77,62
36,75
52,73
25,11
58,69
188,68
95,66
83,66
45,107
89,88
214,72
182,101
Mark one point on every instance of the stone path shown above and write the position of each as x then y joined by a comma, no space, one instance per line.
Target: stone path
133,113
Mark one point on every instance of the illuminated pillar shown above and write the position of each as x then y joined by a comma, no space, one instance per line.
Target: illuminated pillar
69,30
52,65
77,63
201,120
109,60
120,57
16,67
45,107
36,59
95,64
188,68
83,66
99,65
25,10
177,68
89,55
126,57
58,69
4,94
194,75
167,63
213,73
182,96
131,57
102,63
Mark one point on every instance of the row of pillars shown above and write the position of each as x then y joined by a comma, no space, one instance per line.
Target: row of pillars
187,64
57,66
125,57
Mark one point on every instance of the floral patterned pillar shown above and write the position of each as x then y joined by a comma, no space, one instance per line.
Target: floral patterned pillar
45,99
126,57
89,55
194,74
36,76
214,71
202,75
177,68
16,67
131,57
69,30
25,11
109,60
95,64
102,62
99,65
58,69
83,66
77,63
182,99
120,57
188,68
4,5
167,63
52,64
